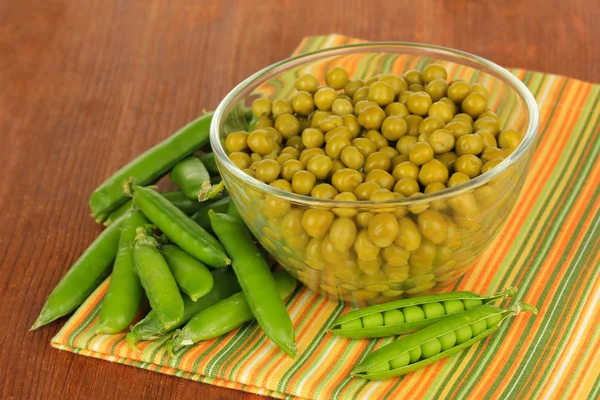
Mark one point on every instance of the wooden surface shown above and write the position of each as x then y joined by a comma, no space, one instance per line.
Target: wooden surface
86,85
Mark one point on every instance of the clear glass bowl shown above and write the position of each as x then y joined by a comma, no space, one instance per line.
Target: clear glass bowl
465,218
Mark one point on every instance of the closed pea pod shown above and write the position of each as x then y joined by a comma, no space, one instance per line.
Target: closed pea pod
157,280
381,364
83,277
194,179
125,293
225,315
191,275
208,159
256,281
417,313
150,166
182,230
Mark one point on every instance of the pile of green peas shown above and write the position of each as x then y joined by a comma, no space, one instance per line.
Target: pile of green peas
388,137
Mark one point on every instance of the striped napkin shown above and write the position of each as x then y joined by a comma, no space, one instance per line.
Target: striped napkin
550,250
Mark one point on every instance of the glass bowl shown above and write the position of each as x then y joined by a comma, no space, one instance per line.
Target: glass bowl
440,234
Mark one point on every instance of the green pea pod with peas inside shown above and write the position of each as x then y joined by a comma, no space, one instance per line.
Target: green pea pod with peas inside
157,280
178,227
191,275
150,328
256,280
408,315
201,216
225,315
83,277
194,180
208,159
125,294
150,166
437,341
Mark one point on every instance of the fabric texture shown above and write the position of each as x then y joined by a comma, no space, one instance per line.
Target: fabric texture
550,250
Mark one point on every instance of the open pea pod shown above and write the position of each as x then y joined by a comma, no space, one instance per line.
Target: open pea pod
429,344
408,315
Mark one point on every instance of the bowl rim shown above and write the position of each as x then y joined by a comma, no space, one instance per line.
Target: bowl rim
518,86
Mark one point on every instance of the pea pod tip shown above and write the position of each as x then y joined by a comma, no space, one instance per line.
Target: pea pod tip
37,324
132,339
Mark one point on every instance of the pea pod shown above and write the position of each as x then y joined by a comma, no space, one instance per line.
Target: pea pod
150,166
176,197
184,232
84,276
225,315
191,275
193,178
208,159
150,328
181,201
408,315
233,210
219,206
256,280
435,342
157,280
125,293
118,213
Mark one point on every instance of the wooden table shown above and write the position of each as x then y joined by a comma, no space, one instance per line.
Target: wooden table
87,85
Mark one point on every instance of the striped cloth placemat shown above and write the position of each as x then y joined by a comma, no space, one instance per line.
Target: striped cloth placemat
550,250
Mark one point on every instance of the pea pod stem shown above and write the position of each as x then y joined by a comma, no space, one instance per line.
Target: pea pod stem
150,166
209,191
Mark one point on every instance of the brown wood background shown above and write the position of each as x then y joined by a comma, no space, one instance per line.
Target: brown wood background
86,85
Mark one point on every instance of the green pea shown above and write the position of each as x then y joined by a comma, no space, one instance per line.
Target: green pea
431,348
415,354
380,368
463,334
393,317
453,306
372,320
478,327
401,361
447,340
433,310
470,303
413,314
493,320
354,324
